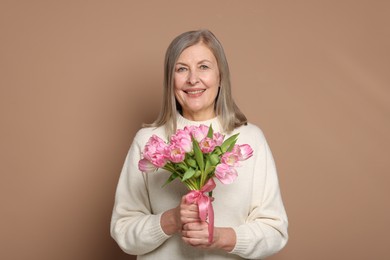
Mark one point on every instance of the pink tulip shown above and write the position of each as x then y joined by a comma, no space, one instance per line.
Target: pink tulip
225,174
218,138
207,145
182,138
176,154
155,151
230,158
204,129
197,132
145,165
236,150
155,144
245,152
159,160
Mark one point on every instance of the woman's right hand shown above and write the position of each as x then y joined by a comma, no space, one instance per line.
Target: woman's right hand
188,212
173,220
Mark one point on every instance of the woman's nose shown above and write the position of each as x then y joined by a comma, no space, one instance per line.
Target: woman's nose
192,78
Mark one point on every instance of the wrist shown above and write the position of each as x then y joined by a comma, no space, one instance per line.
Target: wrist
224,238
169,223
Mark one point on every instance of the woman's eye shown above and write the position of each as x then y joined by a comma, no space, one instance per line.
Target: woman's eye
180,69
204,67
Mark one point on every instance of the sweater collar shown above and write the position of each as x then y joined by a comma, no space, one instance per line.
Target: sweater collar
182,122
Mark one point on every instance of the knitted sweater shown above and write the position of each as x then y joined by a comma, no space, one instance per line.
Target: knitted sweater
251,205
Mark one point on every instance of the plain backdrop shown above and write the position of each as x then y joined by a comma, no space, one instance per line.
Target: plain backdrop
78,78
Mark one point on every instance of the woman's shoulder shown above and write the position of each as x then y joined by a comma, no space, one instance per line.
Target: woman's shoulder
145,133
250,133
250,129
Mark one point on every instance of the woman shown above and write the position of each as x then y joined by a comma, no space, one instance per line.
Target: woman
155,222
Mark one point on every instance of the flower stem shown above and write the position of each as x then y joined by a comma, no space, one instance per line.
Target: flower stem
191,184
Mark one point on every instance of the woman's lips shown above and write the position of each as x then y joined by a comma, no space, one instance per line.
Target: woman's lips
194,92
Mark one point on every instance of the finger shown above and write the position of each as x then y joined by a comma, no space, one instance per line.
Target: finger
184,201
196,242
190,207
195,230
193,207
189,212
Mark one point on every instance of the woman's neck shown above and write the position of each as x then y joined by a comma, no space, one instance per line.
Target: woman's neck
198,116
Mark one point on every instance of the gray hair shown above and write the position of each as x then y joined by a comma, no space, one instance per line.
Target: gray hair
226,109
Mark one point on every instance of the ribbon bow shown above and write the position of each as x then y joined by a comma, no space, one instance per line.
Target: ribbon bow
204,205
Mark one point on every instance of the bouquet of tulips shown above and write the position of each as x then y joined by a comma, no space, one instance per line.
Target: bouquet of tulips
195,155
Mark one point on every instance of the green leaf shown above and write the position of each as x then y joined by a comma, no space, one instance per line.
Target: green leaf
209,170
214,159
229,143
198,154
231,146
208,163
182,166
191,162
170,179
210,133
188,174
217,151
197,174
169,167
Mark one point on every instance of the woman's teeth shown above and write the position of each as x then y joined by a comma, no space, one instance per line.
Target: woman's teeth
194,92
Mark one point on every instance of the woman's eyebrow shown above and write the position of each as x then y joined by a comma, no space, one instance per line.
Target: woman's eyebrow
201,61
205,60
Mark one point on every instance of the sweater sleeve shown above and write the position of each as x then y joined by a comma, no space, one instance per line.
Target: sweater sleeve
265,230
133,225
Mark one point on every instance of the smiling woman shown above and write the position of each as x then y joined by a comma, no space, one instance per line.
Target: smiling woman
197,82
160,223
182,47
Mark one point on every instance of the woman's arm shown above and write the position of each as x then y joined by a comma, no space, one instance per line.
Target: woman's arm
265,230
133,225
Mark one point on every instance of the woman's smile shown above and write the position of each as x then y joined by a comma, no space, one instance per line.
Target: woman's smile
196,81
194,92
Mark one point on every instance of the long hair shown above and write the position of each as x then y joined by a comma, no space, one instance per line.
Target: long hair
226,109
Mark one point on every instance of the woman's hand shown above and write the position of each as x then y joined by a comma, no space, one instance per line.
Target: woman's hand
185,219
174,219
194,231
196,234
189,213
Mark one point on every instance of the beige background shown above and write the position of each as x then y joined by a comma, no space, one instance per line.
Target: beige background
79,77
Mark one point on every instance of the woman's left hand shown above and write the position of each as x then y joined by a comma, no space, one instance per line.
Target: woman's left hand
196,234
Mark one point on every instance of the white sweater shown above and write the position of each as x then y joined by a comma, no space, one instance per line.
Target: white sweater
251,205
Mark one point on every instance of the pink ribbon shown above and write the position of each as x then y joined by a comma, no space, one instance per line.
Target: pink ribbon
204,205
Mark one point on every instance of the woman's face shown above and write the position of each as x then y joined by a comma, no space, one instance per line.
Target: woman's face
196,82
